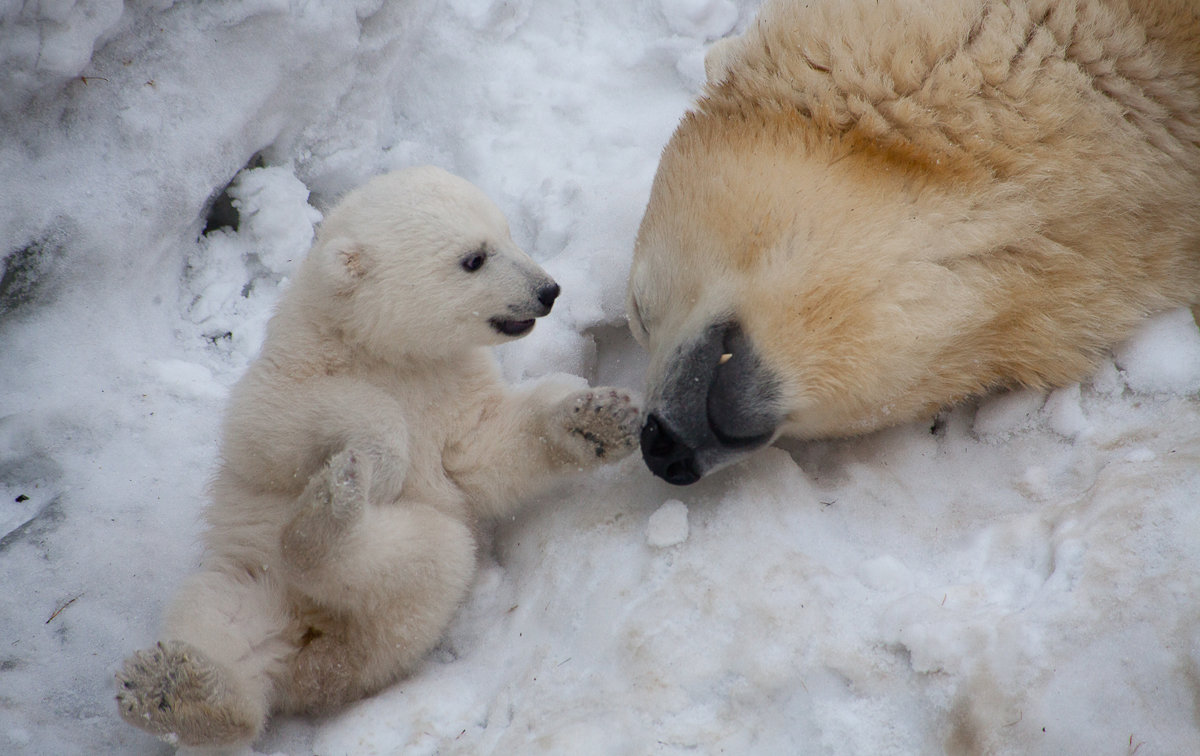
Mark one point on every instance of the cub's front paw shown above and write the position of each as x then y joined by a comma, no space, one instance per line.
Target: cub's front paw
603,423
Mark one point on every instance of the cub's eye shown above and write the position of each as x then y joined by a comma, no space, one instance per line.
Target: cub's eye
474,261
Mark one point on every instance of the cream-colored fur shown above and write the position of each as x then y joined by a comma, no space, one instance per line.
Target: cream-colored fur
360,453
910,202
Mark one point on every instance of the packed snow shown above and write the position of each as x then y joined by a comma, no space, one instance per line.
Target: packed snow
1020,577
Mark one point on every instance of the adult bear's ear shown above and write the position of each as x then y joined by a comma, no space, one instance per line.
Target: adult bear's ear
720,57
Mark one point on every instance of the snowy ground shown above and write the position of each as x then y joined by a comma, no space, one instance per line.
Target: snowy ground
1022,578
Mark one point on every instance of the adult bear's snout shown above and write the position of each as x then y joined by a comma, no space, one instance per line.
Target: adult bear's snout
715,402
667,455
743,397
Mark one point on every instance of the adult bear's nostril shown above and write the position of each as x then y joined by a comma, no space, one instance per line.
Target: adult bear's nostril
656,440
547,294
666,455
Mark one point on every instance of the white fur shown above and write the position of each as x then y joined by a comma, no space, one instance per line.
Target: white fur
360,453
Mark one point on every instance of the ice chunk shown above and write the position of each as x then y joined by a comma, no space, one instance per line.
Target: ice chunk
668,526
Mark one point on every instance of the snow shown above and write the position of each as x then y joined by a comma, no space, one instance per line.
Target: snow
1164,356
668,526
1021,578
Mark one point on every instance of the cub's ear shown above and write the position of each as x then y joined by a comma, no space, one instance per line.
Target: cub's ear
346,262
352,258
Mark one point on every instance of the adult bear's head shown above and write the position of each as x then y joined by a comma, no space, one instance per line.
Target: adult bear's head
788,284
872,213
853,229
419,262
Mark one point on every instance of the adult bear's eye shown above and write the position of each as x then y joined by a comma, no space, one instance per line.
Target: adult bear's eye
634,316
474,261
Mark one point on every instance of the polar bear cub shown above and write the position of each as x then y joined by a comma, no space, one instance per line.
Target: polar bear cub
360,453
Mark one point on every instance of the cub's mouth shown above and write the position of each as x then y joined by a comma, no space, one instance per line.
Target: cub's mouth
545,294
512,327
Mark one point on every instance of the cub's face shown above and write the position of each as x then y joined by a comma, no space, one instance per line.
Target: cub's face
422,264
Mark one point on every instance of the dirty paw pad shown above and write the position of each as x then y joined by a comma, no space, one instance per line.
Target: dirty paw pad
175,692
607,419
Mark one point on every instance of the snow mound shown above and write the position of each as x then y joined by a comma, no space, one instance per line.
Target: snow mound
1163,356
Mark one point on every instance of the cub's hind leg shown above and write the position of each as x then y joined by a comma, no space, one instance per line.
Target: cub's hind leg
209,684
383,578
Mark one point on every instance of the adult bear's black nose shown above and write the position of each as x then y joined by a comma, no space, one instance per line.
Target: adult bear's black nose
667,456
547,294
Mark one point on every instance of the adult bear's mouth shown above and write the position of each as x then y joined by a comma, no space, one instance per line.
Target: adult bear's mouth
512,327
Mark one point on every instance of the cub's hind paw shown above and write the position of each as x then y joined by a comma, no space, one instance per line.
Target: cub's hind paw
606,420
338,489
174,691
332,502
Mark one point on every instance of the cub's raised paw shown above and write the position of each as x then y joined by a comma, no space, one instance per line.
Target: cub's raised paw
339,489
174,691
330,505
606,421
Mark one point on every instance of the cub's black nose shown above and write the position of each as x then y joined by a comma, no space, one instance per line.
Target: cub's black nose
547,294
667,456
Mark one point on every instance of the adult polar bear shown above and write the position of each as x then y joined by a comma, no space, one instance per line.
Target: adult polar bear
360,451
879,208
